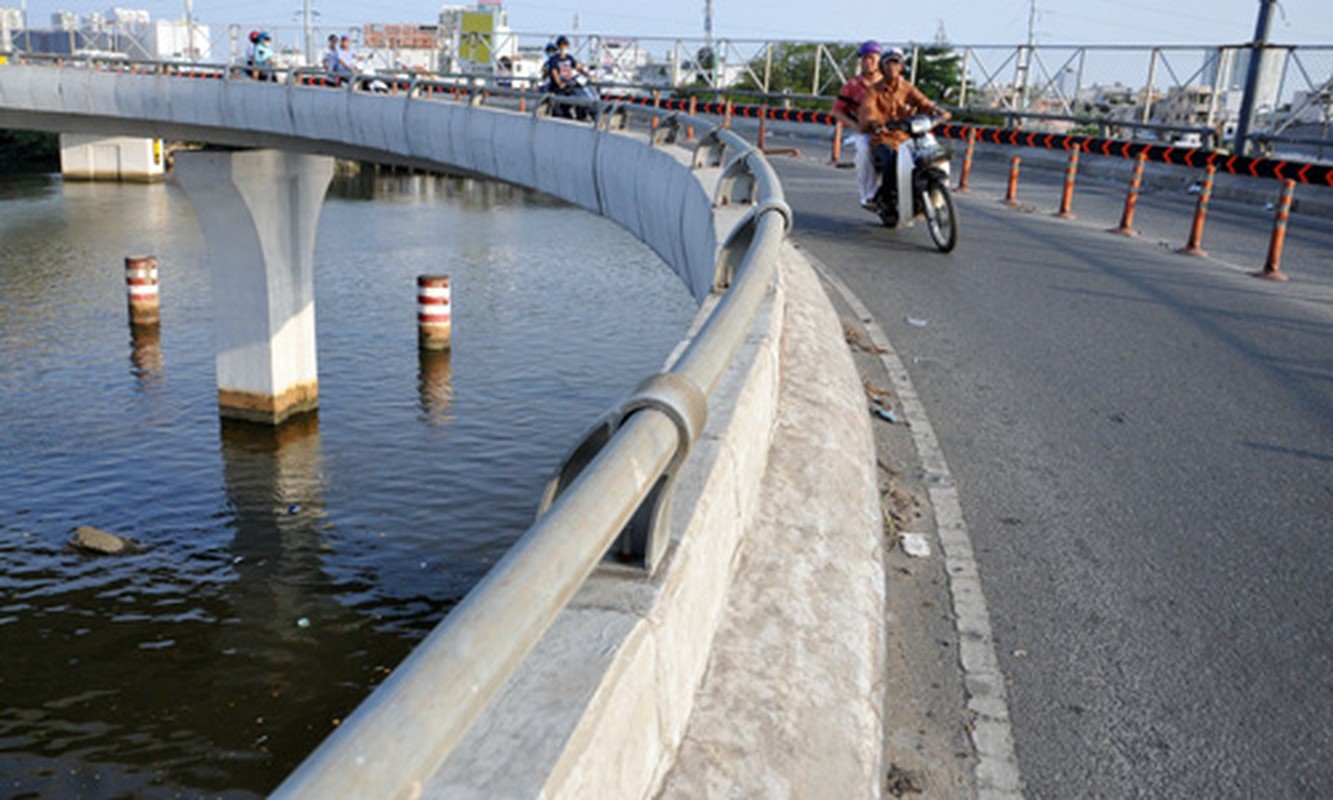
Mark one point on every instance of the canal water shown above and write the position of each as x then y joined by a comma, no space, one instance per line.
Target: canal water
284,573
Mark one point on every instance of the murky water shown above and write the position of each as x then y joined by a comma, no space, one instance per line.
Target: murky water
285,573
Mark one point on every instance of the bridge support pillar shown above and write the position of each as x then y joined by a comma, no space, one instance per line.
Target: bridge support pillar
258,210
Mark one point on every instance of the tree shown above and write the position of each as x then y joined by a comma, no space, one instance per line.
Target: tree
793,68
28,151
939,74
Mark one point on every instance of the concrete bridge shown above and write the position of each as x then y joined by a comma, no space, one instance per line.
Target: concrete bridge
557,677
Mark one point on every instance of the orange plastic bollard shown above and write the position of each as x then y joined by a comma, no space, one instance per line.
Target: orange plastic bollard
1132,198
1067,198
966,174
763,128
1273,267
726,118
689,129
1011,196
1192,247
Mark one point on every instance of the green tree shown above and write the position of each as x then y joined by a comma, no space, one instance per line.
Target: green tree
793,68
939,74
29,151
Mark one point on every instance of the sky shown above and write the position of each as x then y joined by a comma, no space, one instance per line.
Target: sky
965,22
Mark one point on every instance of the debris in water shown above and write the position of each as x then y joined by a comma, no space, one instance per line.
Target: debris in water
915,545
88,539
303,622
293,509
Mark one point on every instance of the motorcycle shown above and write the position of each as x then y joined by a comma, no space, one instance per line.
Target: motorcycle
923,184
580,89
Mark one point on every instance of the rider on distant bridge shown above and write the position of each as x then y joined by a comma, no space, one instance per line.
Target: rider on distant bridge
562,68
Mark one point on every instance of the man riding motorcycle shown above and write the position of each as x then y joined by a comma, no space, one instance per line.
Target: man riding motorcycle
893,99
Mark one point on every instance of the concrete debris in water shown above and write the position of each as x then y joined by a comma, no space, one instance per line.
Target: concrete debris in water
88,539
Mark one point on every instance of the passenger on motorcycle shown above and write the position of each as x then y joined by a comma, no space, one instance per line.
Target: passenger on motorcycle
847,110
892,100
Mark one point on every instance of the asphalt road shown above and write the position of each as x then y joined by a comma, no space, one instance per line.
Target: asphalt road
1143,443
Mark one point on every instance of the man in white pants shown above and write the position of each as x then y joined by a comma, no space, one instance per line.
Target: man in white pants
847,110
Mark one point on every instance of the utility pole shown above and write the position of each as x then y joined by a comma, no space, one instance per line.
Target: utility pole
708,41
1024,69
305,14
189,30
1257,51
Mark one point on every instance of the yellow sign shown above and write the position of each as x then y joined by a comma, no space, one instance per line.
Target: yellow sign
477,29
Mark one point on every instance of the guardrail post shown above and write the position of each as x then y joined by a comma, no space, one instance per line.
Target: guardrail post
1011,195
1067,197
966,173
1132,198
1192,247
1273,266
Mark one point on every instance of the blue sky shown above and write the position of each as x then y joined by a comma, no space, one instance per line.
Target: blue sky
964,21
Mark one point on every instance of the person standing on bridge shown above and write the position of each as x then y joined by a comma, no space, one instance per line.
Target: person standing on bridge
893,99
847,110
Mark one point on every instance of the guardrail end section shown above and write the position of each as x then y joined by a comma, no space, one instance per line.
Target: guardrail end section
710,150
738,184
668,132
643,542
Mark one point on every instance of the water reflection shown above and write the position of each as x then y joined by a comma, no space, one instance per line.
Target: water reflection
146,355
435,385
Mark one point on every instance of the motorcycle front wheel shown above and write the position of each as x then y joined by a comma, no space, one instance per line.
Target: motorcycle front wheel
940,217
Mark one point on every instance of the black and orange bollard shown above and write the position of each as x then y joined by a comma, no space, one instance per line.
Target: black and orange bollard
726,116
1192,247
689,129
966,174
434,312
141,283
1011,194
1067,197
1273,267
1132,198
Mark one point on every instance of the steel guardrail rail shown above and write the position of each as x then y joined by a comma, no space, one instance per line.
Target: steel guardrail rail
400,735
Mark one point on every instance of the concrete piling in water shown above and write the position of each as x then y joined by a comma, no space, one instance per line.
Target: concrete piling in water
141,284
434,312
1273,266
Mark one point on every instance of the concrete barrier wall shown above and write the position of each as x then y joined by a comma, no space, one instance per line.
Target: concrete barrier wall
600,707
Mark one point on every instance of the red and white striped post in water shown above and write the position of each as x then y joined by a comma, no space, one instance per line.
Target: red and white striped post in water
141,282
434,312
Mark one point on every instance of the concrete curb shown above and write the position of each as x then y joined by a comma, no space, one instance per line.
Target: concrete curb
791,703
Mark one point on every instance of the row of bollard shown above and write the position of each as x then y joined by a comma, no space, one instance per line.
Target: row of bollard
434,303
1272,269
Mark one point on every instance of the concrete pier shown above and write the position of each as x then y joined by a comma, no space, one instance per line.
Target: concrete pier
91,157
259,210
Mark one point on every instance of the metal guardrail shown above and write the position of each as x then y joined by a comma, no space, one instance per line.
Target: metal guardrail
408,727
616,485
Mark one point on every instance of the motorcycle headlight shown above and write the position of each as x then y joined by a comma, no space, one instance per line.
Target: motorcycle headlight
921,125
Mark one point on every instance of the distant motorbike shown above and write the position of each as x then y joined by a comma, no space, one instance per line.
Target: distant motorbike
578,88
923,184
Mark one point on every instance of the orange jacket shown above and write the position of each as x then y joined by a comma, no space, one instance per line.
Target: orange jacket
894,100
